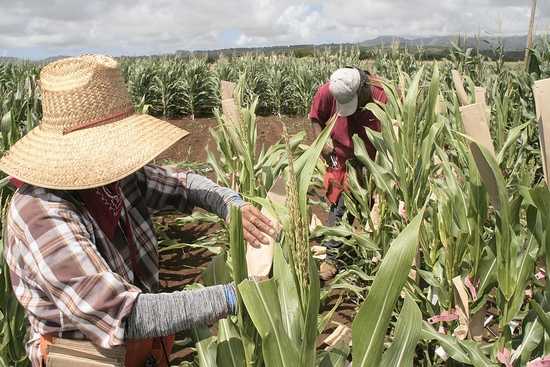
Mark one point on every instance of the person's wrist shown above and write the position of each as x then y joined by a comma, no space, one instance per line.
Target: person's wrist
240,203
230,292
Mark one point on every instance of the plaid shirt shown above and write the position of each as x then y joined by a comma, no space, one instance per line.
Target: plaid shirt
71,279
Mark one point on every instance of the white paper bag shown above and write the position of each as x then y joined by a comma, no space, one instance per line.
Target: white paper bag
260,259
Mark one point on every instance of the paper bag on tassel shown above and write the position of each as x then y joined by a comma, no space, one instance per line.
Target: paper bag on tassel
230,108
541,90
260,259
474,117
476,126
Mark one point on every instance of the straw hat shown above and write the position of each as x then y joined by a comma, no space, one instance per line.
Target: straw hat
89,135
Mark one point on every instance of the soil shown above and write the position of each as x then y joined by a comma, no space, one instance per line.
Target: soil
193,148
183,267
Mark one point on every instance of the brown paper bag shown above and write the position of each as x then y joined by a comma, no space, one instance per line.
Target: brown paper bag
459,86
80,353
260,259
229,104
476,125
63,360
462,308
541,90
480,93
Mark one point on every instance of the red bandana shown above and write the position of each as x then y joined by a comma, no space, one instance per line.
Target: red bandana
15,182
105,205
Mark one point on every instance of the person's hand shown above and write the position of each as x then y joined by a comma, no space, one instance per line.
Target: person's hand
257,227
327,151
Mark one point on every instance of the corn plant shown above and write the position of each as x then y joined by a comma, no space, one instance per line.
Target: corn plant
13,321
242,165
203,86
452,256
20,111
424,161
284,309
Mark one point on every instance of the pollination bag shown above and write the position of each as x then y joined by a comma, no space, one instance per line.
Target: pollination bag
541,90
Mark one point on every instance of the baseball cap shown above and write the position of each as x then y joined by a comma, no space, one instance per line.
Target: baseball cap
344,84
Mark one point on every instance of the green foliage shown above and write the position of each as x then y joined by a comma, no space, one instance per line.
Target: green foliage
425,170
369,331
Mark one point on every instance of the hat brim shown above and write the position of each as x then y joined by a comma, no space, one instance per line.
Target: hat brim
348,108
90,157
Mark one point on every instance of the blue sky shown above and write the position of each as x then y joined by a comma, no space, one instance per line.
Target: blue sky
37,28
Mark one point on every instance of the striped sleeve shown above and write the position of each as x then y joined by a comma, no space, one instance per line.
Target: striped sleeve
70,270
167,189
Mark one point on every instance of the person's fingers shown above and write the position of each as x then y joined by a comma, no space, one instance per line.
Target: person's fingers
264,224
268,223
252,210
255,232
251,240
256,217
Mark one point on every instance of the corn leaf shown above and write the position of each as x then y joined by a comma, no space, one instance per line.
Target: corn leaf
309,342
382,177
511,140
487,271
524,269
449,343
477,357
306,163
262,303
230,347
217,271
532,337
207,352
288,295
335,357
368,332
540,197
407,334
239,273
237,247
492,177
542,316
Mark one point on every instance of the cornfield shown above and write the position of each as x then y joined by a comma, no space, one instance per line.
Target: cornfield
446,260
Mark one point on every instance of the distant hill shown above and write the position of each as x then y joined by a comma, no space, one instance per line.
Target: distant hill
53,58
308,48
513,46
510,43
4,59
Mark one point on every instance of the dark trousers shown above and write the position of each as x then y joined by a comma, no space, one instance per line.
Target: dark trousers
337,210
335,215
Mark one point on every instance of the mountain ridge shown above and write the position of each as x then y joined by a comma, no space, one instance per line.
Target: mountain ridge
510,44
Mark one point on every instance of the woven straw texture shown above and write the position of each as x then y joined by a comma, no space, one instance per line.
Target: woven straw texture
89,135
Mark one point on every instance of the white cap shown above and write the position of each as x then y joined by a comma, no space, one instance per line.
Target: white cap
344,84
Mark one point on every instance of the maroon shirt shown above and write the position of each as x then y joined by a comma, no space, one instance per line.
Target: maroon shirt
323,108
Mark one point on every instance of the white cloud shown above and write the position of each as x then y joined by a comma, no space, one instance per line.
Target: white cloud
155,26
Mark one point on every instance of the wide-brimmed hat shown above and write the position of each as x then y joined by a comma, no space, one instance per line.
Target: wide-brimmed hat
90,134
344,85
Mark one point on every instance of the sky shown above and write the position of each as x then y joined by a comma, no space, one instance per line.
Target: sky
37,29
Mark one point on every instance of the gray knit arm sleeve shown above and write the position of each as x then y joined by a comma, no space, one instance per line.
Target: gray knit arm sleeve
210,196
162,314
